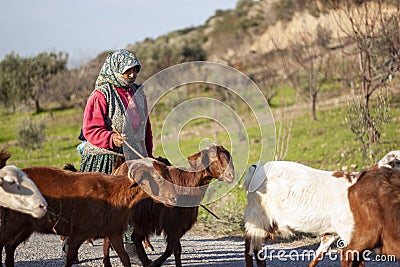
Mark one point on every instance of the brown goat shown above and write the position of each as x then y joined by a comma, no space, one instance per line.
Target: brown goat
149,217
375,204
4,156
83,206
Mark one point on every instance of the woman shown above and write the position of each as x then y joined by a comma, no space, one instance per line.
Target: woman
116,105
115,95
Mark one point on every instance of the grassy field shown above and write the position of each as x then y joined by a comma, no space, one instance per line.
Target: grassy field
326,144
61,132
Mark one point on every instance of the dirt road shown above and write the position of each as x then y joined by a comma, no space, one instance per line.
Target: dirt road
45,251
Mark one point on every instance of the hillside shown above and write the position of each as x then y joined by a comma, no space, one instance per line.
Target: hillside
255,38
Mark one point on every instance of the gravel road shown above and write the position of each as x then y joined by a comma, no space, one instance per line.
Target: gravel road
200,251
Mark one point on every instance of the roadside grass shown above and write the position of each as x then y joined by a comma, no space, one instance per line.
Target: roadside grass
329,144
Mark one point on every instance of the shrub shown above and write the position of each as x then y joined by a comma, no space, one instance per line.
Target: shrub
30,134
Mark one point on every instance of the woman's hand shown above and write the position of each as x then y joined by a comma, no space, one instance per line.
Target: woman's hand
118,139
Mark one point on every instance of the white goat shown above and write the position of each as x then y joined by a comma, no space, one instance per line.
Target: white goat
286,197
296,198
18,192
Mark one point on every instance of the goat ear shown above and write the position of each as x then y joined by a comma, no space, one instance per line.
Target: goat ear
203,159
161,168
195,161
212,152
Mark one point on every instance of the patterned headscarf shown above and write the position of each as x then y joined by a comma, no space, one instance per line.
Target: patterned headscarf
114,66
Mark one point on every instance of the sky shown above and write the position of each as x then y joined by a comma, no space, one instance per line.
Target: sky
85,28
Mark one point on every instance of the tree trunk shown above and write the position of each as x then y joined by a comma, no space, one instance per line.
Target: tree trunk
37,105
313,93
314,108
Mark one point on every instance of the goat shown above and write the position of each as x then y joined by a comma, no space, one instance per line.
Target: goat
18,192
122,169
84,206
391,160
296,198
375,204
149,217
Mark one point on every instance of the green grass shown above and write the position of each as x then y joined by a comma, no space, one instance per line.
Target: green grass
286,96
62,130
329,144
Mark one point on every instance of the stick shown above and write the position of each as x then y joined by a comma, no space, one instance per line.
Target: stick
209,211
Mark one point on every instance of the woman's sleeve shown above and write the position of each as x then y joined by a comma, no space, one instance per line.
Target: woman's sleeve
94,122
149,134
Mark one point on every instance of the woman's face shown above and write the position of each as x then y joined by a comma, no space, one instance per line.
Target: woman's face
130,74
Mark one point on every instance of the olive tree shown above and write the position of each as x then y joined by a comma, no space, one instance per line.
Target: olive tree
42,68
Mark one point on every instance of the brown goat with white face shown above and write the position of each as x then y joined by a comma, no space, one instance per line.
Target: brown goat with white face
82,206
375,204
149,217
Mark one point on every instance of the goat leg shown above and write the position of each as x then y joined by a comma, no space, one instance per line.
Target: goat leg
351,259
2,244
160,260
177,254
260,262
247,255
106,252
10,250
138,240
326,241
118,245
73,243
11,246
